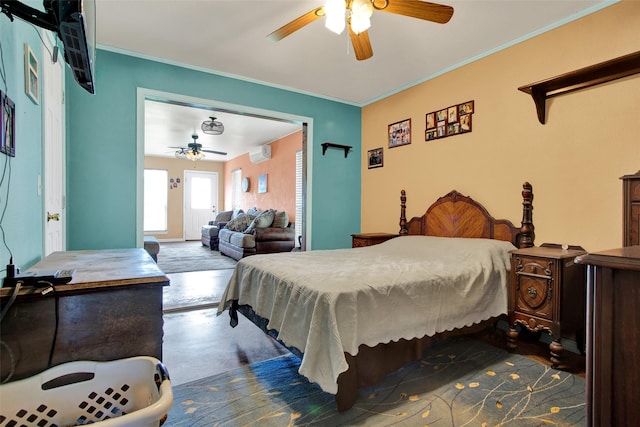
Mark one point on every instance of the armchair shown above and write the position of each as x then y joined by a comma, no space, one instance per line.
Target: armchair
210,232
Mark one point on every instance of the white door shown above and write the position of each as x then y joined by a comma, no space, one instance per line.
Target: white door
53,155
200,201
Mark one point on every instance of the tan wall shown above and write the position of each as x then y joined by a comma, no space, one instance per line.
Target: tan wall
281,177
574,162
176,169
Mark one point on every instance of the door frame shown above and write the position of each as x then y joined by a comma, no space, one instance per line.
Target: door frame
44,187
307,143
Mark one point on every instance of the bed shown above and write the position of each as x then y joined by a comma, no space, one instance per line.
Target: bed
355,315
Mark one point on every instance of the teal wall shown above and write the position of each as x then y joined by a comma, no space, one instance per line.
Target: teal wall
102,148
21,208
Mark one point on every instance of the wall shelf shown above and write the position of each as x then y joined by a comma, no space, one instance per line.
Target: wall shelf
326,145
580,79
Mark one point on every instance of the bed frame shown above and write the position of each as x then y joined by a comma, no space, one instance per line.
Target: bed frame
452,215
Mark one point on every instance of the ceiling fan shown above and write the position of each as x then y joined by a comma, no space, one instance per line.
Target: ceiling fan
194,151
357,14
212,127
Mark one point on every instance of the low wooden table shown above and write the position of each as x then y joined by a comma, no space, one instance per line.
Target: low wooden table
112,309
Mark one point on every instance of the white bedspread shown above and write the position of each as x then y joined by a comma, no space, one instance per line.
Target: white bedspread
328,302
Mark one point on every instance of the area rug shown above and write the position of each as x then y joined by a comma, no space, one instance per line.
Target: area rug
458,382
180,257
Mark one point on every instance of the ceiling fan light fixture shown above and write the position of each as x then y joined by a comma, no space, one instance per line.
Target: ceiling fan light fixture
361,11
195,155
335,11
212,127
359,23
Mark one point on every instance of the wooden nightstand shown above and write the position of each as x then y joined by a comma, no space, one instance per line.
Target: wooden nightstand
370,239
548,293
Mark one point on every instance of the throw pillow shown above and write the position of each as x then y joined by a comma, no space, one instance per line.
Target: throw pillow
240,223
280,220
223,216
253,211
263,220
236,212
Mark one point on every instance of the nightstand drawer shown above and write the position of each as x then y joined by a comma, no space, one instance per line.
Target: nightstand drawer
534,283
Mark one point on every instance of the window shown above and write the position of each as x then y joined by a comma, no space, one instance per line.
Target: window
299,219
200,193
236,189
155,199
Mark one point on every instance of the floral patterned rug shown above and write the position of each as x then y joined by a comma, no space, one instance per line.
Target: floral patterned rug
458,382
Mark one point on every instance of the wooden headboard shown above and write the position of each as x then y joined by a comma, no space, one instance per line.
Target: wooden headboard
455,215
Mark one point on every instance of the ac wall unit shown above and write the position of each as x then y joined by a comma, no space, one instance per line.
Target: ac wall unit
264,153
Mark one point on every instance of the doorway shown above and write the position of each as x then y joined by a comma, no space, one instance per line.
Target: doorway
200,200
306,123
53,156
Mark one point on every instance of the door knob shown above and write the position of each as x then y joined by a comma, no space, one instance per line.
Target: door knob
55,217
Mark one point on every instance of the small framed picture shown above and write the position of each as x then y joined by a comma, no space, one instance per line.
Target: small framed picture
465,123
375,158
400,133
262,183
431,120
31,76
430,135
452,114
7,126
466,108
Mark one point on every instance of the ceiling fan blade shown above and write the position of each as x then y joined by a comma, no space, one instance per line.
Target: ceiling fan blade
222,153
179,148
361,44
296,24
417,9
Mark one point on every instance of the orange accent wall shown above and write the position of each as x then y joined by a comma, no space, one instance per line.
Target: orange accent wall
281,177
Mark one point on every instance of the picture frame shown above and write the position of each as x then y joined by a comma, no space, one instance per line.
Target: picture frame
399,133
453,120
431,120
262,183
7,125
31,76
375,158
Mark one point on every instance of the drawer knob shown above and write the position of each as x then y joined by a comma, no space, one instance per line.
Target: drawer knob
531,291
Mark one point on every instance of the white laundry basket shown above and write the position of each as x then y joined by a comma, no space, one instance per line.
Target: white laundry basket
133,392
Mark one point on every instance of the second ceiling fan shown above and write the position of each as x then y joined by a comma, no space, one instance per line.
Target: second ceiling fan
355,15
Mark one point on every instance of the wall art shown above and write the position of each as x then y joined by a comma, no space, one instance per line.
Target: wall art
31,79
449,121
400,133
262,183
375,158
7,126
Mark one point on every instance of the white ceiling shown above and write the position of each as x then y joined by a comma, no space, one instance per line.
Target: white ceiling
171,125
228,37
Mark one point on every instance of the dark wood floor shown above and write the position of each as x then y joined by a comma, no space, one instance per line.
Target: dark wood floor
198,343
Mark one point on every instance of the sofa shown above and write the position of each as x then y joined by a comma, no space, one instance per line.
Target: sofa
256,232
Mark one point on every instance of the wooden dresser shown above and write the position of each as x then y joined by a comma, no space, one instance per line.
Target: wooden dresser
631,209
369,239
613,336
112,309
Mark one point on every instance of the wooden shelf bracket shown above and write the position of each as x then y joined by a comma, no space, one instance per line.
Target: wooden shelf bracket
326,145
580,79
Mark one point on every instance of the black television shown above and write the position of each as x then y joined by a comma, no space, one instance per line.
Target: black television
74,22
